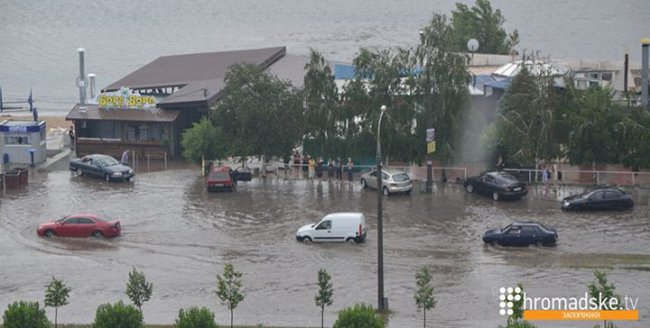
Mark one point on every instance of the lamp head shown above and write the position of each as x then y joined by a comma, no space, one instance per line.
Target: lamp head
383,108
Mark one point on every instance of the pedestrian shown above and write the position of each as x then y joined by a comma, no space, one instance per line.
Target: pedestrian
337,168
125,158
330,168
349,167
545,178
319,167
35,113
311,169
559,177
296,163
72,137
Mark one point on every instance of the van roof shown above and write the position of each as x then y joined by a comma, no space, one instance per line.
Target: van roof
345,215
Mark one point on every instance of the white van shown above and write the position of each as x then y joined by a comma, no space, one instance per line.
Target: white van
344,227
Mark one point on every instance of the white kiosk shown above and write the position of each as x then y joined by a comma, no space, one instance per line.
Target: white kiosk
23,142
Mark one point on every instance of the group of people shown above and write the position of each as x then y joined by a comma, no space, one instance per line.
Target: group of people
315,167
551,176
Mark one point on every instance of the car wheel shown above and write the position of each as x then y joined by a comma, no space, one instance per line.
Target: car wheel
350,240
306,240
408,192
385,191
97,234
128,179
469,188
495,195
48,233
108,178
364,185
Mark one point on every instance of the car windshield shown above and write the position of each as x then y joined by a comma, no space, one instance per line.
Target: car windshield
506,228
107,161
503,177
400,177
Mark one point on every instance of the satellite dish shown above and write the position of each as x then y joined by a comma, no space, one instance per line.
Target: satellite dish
472,45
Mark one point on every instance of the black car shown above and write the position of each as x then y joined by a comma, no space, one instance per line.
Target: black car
521,234
599,199
243,173
499,185
101,166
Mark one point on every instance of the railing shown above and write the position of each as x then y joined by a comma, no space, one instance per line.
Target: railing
585,176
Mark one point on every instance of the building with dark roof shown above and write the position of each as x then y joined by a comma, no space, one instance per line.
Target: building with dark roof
184,88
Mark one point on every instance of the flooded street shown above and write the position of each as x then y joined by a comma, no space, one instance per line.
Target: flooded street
181,236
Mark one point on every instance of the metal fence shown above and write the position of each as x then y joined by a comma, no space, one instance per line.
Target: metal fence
623,178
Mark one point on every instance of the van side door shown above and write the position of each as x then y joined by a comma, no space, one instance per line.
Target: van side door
323,231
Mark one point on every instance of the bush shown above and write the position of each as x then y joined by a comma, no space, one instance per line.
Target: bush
359,316
118,316
25,315
195,317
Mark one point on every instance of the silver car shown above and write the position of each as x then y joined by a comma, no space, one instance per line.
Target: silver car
392,181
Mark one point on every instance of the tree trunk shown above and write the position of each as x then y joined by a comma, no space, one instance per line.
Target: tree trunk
231,318
425,317
56,315
322,314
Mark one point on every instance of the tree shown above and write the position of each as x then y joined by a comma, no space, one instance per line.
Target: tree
228,289
324,296
322,111
118,315
56,296
259,114
202,140
138,289
195,317
600,289
424,298
358,316
24,314
484,24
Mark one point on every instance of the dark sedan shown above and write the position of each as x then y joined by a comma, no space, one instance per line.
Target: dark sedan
80,225
499,185
243,173
521,234
101,166
599,199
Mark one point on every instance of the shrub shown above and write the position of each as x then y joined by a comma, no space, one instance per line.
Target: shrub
25,315
195,317
118,316
359,316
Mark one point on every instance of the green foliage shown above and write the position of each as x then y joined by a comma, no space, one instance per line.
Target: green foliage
424,298
228,289
202,140
601,289
259,114
25,315
484,24
359,316
118,315
195,317
56,295
324,296
138,289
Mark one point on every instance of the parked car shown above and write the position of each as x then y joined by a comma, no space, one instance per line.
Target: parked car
101,166
81,225
392,180
335,227
243,173
521,234
220,178
499,185
599,199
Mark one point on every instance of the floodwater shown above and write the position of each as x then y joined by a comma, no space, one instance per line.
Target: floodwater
181,236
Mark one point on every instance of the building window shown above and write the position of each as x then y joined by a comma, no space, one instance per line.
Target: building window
16,140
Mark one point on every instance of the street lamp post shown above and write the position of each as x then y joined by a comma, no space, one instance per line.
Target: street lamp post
380,223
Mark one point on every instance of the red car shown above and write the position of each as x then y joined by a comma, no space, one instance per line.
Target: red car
80,225
220,178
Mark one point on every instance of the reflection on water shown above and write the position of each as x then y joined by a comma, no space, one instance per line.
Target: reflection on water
181,236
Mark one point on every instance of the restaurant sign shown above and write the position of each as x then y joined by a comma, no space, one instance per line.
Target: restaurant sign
125,99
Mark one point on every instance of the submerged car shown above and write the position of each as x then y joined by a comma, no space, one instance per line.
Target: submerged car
81,225
220,178
599,199
393,181
101,166
335,227
498,185
521,234
243,173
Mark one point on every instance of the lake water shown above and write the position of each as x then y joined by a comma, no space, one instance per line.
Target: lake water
39,38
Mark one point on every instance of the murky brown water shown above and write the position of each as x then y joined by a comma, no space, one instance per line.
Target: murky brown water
181,236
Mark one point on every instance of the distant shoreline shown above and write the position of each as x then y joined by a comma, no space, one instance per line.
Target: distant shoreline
51,121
